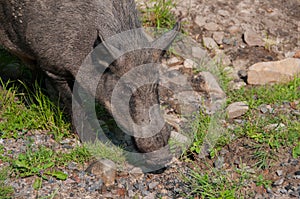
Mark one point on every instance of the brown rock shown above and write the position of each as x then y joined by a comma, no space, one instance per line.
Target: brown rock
253,39
297,54
200,21
234,29
105,169
218,37
173,61
209,43
236,109
273,72
211,26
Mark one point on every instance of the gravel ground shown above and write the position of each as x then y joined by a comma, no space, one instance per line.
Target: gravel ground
277,23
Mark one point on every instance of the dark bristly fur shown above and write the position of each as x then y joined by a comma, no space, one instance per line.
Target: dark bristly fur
55,36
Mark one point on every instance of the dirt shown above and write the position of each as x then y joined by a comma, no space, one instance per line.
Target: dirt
277,23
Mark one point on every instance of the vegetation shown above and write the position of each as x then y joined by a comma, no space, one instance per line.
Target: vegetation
23,110
158,14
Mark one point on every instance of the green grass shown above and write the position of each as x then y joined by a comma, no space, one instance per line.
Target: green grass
100,150
44,163
158,14
212,183
6,191
268,94
265,141
20,112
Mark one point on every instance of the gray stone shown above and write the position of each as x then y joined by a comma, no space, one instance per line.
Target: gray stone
274,126
152,185
198,52
137,172
211,26
253,39
223,13
278,182
188,63
273,72
173,61
279,172
209,43
218,37
219,162
178,137
236,109
237,85
105,169
233,30
200,21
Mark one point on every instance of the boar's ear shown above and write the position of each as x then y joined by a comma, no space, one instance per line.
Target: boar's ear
165,41
111,49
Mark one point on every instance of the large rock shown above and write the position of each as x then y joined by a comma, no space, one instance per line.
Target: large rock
236,109
273,72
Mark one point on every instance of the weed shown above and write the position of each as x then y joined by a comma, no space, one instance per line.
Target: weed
43,162
158,14
260,181
39,162
109,151
200,127
41,113
6,191
213,184
263,157
267,94
296,151
269,42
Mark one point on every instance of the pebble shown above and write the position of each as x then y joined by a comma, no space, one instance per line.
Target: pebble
173,61
209,43
219,162
152,185
279,172
211,26
236,109
198,52
188,63
200,21
218,37
278,182
253,39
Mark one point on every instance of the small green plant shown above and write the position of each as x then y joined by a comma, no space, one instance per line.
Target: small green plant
214,184
263,157
158,14
268,94
39,163
269,42
260,181
6,191
296,151
200,127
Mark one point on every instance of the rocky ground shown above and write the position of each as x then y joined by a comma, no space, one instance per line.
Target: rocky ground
240,34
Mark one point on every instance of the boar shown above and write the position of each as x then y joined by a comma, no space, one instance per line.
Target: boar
54,37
